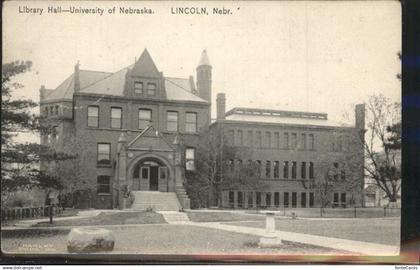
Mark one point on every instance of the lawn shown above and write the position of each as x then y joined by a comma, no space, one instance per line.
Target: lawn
105,218
160,239
220,216
382,231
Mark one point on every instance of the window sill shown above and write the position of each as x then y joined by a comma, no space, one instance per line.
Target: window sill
103,194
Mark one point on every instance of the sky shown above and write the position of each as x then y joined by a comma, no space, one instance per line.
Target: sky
318,56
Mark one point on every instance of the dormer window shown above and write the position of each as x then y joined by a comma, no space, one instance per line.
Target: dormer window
138,87
151,89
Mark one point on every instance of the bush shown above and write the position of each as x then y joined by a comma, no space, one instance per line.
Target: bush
34,197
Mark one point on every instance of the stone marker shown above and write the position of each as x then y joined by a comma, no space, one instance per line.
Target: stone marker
270,240
84,240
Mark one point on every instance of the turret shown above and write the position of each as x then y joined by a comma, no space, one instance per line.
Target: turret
204,77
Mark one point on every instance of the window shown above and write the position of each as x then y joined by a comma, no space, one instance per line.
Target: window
335,171
250,199
268,139
51,110
258,139
311,199
276,199
303,170
286,199
138,87
172,121
294,164
268,199
93,116
258,167
294,140
56,110
343,200
311,142
116,115
151,89
240,199
231,137
286,169
276,169
54,134
303,141
249,139
145,118
268,169
335,202
104,153
191,122
103,185
231,198
240,138
303,199
311,170
46,111
294,199
238,164
163,172
258,199
276,140
286,141
189,159
230,165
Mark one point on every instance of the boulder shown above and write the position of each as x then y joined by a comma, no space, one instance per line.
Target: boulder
84,240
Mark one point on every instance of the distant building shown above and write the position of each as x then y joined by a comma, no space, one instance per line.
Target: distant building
129,125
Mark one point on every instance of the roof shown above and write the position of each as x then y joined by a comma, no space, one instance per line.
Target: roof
204,60
177,89
66,89
145,67
281,117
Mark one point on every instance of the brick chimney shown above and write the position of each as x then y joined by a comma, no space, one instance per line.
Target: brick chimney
360,116
76,78
221,106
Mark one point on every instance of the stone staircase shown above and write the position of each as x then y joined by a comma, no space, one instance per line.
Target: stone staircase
158,201
173,217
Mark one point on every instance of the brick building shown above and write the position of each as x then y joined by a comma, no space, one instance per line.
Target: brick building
137,130
298,156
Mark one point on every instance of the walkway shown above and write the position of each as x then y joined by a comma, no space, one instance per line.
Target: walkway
357,247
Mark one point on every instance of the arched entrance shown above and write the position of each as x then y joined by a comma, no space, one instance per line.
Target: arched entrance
150,174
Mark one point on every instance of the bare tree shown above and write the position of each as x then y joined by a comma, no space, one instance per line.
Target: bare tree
382,145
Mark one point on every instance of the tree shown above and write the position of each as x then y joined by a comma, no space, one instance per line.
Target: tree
20,161
382,145
215,170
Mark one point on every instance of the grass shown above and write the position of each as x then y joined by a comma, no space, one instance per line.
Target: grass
221,217
382,231
163,239
110,219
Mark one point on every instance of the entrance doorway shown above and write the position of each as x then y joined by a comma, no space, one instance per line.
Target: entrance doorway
150,174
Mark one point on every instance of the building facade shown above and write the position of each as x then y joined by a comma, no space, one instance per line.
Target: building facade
138,130
303,159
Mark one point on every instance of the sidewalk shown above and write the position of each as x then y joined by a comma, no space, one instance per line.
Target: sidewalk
358,247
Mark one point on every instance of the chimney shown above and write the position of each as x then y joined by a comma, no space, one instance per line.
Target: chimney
221,106
360,116
76,78
42,93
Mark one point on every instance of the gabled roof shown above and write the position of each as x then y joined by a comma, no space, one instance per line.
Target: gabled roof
66,89
154,134
145,67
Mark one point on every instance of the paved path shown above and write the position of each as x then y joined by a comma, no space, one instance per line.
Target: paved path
358,247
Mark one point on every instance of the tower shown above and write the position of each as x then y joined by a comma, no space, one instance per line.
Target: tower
204,77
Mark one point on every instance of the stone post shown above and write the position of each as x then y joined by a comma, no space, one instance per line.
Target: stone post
270,240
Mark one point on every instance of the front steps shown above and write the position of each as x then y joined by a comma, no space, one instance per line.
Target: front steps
173,217
158,201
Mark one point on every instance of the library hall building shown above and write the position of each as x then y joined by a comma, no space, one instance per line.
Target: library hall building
135,133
